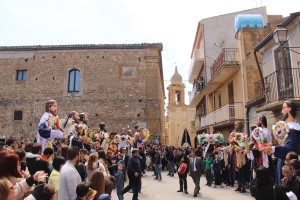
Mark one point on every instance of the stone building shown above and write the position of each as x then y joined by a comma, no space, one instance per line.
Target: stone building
119,84
179,115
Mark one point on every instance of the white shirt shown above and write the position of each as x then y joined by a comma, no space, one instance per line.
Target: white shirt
68,181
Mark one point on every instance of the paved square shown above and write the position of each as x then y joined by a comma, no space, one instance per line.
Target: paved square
167,190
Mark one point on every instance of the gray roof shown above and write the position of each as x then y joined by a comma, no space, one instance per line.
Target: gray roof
82,47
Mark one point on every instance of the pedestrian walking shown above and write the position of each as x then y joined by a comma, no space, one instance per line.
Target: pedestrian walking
196,171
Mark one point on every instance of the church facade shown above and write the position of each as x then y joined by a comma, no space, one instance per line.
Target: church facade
118,84
179,115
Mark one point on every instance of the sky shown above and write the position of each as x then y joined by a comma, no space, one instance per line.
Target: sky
170,22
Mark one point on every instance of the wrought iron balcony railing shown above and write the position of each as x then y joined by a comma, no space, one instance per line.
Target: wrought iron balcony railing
227,56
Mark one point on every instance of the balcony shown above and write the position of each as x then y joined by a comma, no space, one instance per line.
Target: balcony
197,87
226,59
225,115
222,69
281,85
196,64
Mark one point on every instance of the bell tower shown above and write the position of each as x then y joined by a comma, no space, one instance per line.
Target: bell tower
176,90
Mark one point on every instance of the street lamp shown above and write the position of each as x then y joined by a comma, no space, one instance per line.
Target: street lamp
280,37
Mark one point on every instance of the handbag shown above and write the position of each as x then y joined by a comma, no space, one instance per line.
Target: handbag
182,168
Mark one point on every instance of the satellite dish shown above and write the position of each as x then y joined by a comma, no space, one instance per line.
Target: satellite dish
221,40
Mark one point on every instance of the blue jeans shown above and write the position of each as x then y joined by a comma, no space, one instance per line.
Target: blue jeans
158,171
119,193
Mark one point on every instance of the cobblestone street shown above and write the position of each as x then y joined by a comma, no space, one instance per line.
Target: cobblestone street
166,190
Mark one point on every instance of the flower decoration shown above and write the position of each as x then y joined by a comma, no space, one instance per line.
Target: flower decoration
280,131
202,138
219,137
231,137
79,129
146,134
238,137
237,148
257,134
57,123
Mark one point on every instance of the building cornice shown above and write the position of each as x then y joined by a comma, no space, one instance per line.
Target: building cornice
82,47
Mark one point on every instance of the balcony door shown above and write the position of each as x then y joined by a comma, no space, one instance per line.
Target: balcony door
231,100
283,73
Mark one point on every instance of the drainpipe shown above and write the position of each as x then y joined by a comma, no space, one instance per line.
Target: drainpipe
259,70
243,84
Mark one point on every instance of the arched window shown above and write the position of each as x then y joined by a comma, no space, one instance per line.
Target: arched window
74,80
177,97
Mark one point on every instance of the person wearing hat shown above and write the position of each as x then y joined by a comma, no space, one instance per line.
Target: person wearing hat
134,174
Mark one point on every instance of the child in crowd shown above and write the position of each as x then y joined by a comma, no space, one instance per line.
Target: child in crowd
120,181
217,169
208,163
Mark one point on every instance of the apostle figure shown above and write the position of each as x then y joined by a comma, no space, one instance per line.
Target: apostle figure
83,118
138,142
104,137
124,140
186,138
49,126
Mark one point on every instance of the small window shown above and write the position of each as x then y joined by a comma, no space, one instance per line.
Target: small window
21,75
74,80
18,115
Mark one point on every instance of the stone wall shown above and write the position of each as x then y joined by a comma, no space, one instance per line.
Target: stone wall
121,86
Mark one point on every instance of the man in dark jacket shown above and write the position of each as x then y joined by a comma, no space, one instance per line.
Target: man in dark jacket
196,171
182,158
134,174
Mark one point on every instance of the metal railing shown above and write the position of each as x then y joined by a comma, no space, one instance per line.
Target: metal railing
259,90
197,87
282,84
226,113
227,56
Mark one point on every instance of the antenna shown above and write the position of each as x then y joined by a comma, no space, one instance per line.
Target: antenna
219,45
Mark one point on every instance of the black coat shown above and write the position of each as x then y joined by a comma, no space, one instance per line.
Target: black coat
133,166
35,165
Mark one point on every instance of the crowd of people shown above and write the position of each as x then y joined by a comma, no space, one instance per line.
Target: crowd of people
67,161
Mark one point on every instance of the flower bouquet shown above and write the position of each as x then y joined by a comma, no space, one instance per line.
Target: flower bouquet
56,123
202,138
280,131
238,138
146,134
219,137
231,137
